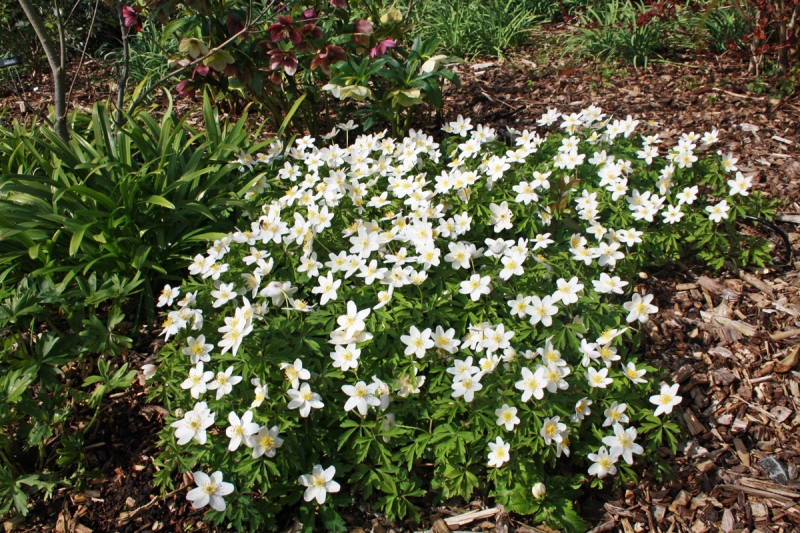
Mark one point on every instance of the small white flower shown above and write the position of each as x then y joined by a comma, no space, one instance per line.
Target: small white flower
603,463
197,382
197,349
260,393
673,214
738,186
319,482
294,372
304,399
542,310
598,379
224,382
607,284
445,339
361,397
209,490
532,384
615,414
266,442
168,294
501,216
622,443
634,374
476,286
507,416
552,430
718,212
500,452
417,342
467,387
639,308
149,371
687,195
345,357
194,424
581,410
240,430
666,399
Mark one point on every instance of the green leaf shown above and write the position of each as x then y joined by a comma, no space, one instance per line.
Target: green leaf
159,200
290,115
77,237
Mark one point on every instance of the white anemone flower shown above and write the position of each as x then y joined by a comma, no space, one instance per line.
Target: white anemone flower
361,396
476,286
346,357
500,452
507,416
304,399
622,443
266,442
209,490
240,430
224,382
197,382
194,424
319,482
666,399
615,414
639,308
552,429
417,342
603,464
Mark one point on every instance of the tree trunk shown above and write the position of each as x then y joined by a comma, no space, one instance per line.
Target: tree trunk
56,65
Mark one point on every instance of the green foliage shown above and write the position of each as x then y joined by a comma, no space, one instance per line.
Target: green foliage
392,87
39,448
136,203
611,31
333,217
467,28
149,57
726,28
290,52
87,229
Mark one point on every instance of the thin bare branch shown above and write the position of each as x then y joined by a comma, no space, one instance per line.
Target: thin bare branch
83,53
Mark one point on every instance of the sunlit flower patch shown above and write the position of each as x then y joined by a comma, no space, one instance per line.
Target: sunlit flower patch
450,316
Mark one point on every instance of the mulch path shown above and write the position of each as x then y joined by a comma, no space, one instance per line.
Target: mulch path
731,339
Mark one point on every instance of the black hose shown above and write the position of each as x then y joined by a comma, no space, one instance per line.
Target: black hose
779,231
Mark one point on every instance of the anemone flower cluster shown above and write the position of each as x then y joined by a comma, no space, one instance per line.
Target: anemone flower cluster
437,273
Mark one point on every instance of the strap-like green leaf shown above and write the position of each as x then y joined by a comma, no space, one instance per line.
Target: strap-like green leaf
77,237
160,200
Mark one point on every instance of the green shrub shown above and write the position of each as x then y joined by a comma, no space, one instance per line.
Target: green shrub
726,29
289,52
612,32
86,230
468,28
136,204
477,301
41,389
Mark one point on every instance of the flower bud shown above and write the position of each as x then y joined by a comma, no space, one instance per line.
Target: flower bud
539,490
393,15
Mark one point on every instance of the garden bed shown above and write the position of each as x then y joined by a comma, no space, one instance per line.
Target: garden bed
734,370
